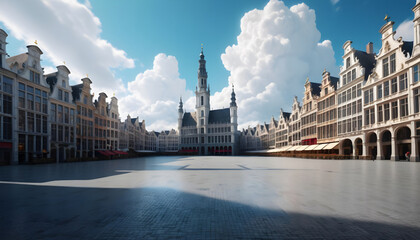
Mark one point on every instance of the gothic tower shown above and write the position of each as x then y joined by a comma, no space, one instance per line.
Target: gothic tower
202,94
180,116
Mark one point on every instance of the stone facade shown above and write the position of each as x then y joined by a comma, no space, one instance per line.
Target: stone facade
205,131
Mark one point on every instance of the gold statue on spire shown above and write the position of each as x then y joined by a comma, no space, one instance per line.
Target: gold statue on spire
36,42
387,19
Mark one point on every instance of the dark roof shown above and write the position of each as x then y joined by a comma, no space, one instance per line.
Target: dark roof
286,115
76,90
133,120
316,88
407,47
219,116
188,120
334,82
367,61
51,80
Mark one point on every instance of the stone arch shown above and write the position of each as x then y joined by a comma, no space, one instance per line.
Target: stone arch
402,142
346,147
371,141
386,137
358,145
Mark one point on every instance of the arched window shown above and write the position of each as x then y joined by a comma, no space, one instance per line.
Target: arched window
202,81
202,100
202,113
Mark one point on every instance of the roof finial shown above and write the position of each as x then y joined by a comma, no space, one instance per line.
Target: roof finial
307,79
36,42
387,19
201,48
87,75
64,62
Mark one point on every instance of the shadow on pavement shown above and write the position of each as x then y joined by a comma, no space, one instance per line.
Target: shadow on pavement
83,170
45,212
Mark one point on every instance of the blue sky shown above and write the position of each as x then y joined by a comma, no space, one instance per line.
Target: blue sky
147,51
146,28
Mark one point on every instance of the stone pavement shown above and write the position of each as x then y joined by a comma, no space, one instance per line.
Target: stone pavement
211,198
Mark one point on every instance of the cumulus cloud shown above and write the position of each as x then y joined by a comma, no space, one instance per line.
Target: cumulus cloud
154,94
277,49
67,31
405,30
334,1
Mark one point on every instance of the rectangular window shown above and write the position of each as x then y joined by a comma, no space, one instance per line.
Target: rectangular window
30,122
416,100
379,92
385,67
22,99
359,105
44,124
394,109
359,90
416,73
60,113
66,115
392,63
53,132
7,104
348,94
353,107
386,88
353,92
371,95
34,77
353,74
372,115
37,104
22,119
394,85
60,94
30,102
60,133
386,112
380,114
53,112
66,96
403,82
7,128
44,105
344,79
7,85
366,97
38,123
403,107
367,117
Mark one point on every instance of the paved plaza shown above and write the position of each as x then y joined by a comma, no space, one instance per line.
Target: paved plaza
211,198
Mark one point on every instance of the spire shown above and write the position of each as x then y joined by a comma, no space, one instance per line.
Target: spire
180,105
233,97
202,72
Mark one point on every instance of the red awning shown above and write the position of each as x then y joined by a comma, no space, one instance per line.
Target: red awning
110,153
5,145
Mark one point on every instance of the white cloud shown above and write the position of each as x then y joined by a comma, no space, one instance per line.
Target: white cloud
405,30
154,94
67,31
334,1
276,50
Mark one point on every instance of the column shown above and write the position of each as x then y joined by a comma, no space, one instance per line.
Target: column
414,151
394,156
379,149
354,149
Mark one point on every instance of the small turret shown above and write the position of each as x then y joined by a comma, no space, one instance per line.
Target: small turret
233,98
180,114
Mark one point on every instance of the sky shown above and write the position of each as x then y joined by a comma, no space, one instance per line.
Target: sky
146,52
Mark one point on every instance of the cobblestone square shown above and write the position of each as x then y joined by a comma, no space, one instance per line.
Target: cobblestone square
211,198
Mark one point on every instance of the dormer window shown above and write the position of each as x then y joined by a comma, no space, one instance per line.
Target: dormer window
326,91
34,77
348,62
63,84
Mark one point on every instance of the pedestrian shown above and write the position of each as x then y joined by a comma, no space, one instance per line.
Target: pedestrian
407,156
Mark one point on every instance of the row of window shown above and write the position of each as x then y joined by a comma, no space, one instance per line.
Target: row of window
102,133
61,114
308,131
350,125
327,116
350,94
387,111
350,109
84,112
32,144
327,131
308,119
6,130
350,76
219,139
32,98
326,103
30,122
62,133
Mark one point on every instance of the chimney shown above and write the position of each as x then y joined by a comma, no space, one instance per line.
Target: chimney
369,48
